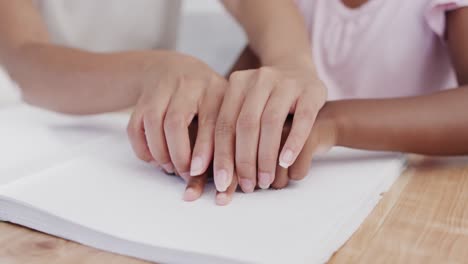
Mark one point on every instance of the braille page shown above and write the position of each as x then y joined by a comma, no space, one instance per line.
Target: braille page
117,203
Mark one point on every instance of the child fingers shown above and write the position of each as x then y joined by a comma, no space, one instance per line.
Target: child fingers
282,176
224,198
180,113
272,123
304,118
195,187
281,179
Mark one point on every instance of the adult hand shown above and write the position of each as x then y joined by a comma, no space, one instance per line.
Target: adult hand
251,120
321,139
176,89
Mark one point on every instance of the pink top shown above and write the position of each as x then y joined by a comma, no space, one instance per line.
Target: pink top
385,48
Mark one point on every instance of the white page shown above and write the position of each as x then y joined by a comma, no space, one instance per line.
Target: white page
110,191
32,139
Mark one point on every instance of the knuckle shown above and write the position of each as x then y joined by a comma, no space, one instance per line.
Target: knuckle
247,122
264,72
224,128
272,118
187,80
319,90
218,81
289,83
152,116
208,119
174,121
246,166
240,76
267,160
236,76
307,113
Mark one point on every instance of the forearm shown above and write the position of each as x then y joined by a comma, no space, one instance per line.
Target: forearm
75,81
434,124
275,29
59,78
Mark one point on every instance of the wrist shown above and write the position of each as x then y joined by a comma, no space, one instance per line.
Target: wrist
303,58
148,68
334,122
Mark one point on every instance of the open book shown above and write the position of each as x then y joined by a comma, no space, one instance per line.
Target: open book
85,185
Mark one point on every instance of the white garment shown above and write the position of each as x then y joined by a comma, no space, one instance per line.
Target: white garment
112,25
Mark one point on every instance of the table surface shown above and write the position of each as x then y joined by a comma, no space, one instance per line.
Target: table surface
422,219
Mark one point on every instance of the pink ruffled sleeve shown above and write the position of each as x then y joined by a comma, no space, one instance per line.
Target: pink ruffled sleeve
435,13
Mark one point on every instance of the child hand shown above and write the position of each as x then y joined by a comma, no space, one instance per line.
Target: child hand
196,185
171,97
252,116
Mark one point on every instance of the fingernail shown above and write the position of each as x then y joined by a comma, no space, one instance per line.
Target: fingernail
168,167
286,158
264,180
155,164
222,180
185,176
247,185
196,166
190,195
222,199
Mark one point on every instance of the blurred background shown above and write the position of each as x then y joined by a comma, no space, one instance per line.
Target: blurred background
206,31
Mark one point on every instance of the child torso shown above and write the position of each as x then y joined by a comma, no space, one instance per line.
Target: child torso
377,48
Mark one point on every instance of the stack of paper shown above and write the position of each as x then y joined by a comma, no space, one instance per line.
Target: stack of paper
100,195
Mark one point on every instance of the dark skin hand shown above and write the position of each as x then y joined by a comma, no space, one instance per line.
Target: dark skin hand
432,124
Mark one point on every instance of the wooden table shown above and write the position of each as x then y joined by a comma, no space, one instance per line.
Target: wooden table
422,219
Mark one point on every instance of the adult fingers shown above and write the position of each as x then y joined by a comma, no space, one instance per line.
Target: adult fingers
225,132
304,117
154,110
273,119
136,135
181,110
248,132
208,113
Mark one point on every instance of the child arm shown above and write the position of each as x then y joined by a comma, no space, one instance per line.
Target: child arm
435,124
